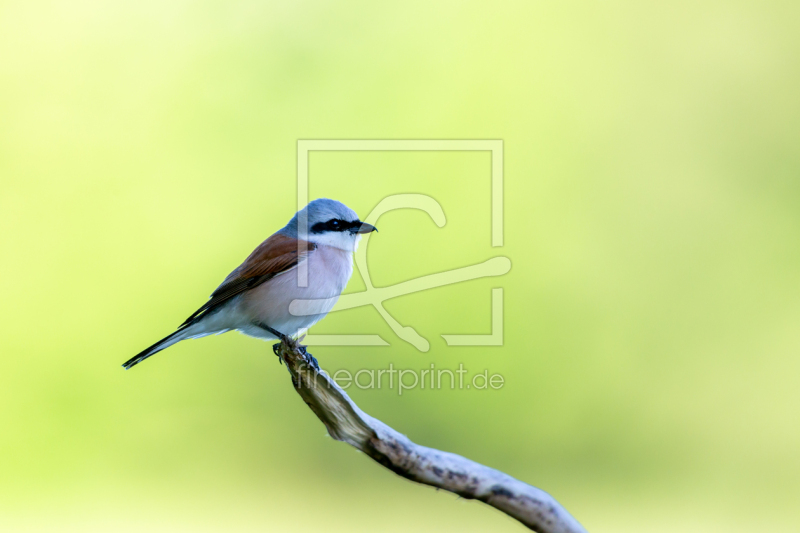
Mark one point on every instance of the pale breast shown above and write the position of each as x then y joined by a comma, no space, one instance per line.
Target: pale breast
329,270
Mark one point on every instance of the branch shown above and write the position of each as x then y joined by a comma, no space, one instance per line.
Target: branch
346,422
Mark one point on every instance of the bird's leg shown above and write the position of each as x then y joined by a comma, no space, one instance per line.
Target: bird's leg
277,346
291,343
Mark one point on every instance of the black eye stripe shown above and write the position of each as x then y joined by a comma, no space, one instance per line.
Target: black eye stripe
334,224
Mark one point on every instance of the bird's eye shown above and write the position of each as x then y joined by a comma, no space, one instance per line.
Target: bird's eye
334,224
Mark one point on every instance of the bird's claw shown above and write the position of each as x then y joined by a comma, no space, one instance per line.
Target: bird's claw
296,346
308,358
276,349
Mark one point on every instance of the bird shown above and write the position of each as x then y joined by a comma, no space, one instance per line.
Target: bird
255,297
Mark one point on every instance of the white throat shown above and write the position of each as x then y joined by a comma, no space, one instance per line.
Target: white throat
343,240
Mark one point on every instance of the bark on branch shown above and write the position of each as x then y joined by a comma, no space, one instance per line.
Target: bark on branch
346,422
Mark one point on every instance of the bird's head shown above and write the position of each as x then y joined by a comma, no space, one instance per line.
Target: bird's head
330,223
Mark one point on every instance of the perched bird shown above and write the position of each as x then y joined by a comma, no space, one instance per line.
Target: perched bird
254,299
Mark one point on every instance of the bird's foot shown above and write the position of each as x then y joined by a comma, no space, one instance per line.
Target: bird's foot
295,346
310,359
307,357
276,349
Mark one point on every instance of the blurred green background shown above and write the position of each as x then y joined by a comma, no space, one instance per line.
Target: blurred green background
652,215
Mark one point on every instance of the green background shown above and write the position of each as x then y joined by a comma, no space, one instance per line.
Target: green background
652,219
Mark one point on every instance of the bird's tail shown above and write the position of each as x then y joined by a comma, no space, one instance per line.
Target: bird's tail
166,342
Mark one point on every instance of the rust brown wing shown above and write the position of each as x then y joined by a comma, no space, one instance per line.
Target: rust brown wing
277,254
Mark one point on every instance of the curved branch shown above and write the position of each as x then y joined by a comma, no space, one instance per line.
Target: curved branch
346,422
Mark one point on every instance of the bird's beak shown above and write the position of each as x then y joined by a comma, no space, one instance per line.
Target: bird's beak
365,228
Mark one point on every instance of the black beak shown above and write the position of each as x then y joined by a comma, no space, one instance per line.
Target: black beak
364,228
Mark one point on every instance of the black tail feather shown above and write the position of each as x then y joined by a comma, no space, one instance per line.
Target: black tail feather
150,350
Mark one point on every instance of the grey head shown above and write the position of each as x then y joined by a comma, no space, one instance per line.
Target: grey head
328,222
